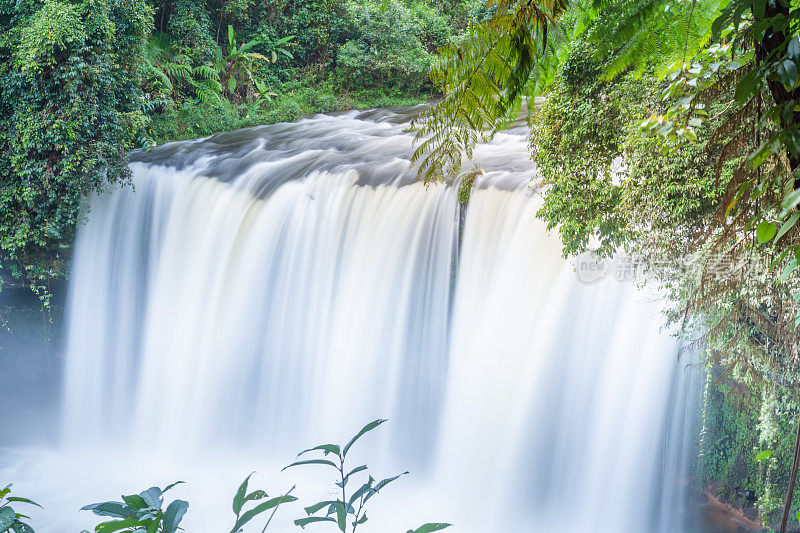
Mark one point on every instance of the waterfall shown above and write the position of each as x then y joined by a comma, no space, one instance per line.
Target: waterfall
259,292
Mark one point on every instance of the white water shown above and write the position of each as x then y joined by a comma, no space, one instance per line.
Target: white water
273,289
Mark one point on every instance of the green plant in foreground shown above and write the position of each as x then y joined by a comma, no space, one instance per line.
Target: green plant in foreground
11,520
242,497
355,505
429,528
141,512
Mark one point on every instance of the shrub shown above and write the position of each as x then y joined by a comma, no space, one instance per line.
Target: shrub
10,520
337,511
387,50
70,109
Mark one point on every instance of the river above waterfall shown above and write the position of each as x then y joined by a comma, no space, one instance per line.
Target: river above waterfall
262,291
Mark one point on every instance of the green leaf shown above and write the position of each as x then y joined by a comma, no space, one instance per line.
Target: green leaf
238,498
6,518
780,259
787,73
789,202
171,485
23,500
260,508
256,495
786,226
231,84
152,497
108,527
283,40
797,516
762,455
250,44
341,515
135,501
311,509
742,189
429,528
303,522
765,231
113,509
759,7
366,487
326,448
174,514
790,267
760,154
312,462
369,427
21,527
382,484
746,87
350,473
793,49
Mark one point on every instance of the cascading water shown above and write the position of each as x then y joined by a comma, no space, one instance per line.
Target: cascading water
266,290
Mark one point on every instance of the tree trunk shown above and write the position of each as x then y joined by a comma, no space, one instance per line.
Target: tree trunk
772,43
792,479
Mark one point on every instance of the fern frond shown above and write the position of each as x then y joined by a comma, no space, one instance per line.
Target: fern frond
159,75
484,78
206,72
207,91
637,33
177,71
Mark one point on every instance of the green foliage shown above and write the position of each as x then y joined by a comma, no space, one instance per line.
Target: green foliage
190,29
604,183
10,520
292,100
484,76
318,27
82,82
390,46
429,528
70,105
141,512
738,425
638,35
465,187
337,511
55,27
578,135
240,68
242,497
